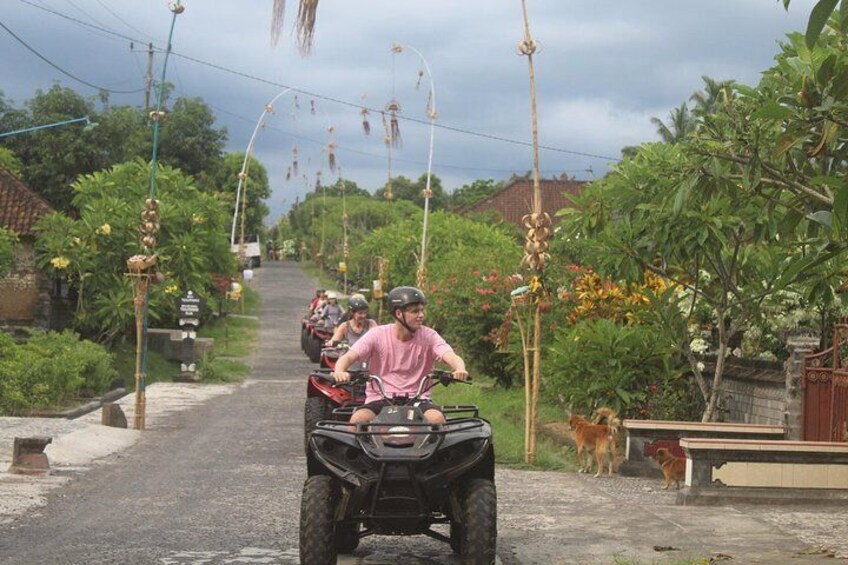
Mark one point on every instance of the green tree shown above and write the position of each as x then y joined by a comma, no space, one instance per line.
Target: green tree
720,244
224,179
10,162
91,250
680,125
189,140
53,157
474,192
405,189
715,91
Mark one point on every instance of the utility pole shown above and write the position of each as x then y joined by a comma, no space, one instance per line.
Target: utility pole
148,83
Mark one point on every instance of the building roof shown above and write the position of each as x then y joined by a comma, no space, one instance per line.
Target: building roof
20,207
515,199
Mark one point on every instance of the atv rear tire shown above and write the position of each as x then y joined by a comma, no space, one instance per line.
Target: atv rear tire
347,537
314,349
317,509
478,533
317,408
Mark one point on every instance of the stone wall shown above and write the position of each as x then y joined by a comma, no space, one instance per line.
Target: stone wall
765,392
22,292
753,392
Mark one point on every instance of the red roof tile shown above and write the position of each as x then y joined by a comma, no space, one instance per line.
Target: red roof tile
20,207
515,199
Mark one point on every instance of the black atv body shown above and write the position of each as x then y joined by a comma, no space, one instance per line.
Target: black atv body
399,475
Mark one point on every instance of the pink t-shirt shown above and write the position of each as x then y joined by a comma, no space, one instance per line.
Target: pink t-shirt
401,364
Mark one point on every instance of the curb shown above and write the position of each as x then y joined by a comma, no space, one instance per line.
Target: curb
84,409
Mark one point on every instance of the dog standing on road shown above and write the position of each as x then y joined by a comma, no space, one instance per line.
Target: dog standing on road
597,437
673,467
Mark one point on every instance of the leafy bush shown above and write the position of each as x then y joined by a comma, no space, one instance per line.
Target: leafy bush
631,368
50,369
91,251
468,303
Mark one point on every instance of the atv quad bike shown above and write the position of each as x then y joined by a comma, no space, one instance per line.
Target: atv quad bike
323,396
399,475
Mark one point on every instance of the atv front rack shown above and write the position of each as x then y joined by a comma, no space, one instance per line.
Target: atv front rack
345,412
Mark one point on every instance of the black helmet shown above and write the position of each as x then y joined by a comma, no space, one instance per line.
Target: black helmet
404,296
355,304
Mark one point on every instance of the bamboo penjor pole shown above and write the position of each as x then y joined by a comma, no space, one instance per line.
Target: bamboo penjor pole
537,225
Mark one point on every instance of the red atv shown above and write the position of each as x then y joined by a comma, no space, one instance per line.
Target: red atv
313,335
323,396
331,353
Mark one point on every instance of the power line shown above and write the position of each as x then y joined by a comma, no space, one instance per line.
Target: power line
324,97
63,71
347,149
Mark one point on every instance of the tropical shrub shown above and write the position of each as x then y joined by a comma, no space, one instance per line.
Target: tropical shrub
630,368
91,251
469,301
50,369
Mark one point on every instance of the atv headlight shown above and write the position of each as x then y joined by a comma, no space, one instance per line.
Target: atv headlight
398,436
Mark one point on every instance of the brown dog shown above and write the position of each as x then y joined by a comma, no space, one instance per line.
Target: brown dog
673,467
599,438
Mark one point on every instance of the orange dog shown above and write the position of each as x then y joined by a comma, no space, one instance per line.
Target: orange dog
599,438
673,467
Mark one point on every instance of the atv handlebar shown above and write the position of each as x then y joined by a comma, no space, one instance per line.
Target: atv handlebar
436,376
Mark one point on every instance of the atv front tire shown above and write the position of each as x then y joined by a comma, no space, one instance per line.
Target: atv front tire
317,408
477,535
347,537
317,510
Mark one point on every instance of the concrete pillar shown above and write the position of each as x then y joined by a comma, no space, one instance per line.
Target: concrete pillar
28,457
798,346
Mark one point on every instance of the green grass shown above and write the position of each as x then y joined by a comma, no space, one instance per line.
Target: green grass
505,410
314,271
159,369
234,336
214,369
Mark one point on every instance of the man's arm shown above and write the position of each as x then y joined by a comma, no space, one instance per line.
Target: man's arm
456,364
340,372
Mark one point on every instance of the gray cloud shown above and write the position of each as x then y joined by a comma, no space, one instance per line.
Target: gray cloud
604,69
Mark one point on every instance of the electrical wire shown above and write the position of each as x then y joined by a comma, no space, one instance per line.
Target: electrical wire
378,156
324,97
63,71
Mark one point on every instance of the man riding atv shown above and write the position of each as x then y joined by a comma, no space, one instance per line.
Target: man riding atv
402,353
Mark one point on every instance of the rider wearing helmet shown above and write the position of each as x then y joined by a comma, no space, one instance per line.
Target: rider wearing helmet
401,353
357,322
331,312
318,300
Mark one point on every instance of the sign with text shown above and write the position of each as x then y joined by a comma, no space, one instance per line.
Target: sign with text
189,307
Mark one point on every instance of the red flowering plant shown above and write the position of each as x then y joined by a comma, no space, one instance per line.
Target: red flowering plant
468,302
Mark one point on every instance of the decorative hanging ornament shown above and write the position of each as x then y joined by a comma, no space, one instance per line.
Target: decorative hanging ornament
366,126
393,108
312,107
331,155
288,174
294,160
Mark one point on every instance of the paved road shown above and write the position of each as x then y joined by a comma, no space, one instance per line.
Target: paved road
220,483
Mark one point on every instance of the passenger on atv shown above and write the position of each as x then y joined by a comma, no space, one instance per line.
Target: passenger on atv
402,353
400,475
354,327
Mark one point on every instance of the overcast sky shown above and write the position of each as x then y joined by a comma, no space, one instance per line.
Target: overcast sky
604,69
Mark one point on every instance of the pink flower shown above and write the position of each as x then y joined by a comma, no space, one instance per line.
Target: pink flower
485,307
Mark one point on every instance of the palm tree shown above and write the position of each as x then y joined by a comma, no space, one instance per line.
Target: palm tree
681,124
715,91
